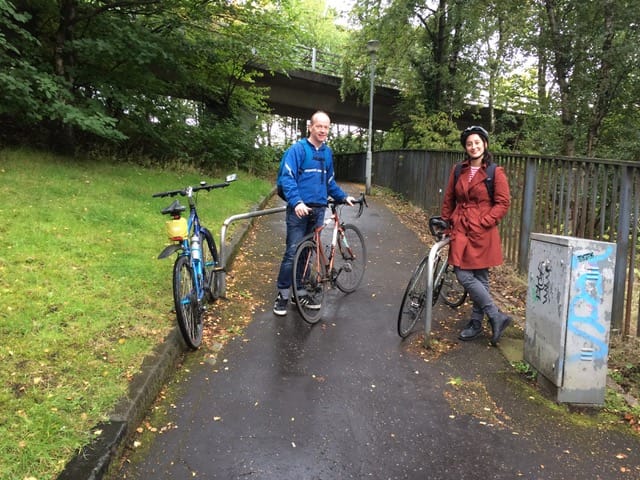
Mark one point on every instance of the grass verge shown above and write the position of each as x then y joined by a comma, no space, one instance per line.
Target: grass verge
84,298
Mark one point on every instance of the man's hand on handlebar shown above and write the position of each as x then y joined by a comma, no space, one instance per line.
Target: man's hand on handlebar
302,210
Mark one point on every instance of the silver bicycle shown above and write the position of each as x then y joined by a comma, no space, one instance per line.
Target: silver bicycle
445,284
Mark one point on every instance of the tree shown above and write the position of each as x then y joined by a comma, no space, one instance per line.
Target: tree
32,92
152,75
446,55
591,47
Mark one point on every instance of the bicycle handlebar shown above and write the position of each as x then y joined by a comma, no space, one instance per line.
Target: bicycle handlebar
438,226
361,200
188,190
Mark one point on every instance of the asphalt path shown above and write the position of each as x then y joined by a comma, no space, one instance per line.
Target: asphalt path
347,399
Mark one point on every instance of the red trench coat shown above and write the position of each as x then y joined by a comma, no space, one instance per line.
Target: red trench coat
475,239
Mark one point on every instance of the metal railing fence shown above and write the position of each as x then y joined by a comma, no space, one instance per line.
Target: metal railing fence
579,197
310,58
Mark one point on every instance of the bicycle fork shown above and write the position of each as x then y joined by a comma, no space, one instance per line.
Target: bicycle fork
341,245
193,251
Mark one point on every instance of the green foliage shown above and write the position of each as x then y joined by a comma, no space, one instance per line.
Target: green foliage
566,68
540,134
591,50
315,22
168,78
620,137
146,75
433,131
31,93
349,143
84,296
524,369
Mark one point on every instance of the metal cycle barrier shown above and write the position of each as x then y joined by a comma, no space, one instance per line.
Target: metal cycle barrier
428,311
223,242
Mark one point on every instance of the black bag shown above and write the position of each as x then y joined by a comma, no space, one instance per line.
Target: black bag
491,171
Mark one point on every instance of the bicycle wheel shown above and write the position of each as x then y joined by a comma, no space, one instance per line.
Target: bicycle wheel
452,293
413,300
350,259
209,262
188,311
308,284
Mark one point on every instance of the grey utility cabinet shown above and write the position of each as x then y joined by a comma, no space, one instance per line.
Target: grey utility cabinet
570,287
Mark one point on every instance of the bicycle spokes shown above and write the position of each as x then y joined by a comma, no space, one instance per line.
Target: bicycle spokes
189,311
350,259
413,300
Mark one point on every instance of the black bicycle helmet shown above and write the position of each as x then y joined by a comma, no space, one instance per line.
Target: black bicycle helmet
474,129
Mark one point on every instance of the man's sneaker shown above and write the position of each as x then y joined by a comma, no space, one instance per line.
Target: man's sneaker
307,302
280,305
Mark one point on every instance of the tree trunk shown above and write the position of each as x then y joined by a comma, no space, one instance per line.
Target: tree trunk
605,89
563,64
543,65
63,61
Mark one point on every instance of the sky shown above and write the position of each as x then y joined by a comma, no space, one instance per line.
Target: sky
342,7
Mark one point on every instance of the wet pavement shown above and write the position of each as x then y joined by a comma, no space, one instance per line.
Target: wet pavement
347,399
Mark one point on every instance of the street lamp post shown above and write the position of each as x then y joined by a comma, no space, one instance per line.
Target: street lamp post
372,48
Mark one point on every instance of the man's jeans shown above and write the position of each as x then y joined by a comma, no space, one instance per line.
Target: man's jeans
297,229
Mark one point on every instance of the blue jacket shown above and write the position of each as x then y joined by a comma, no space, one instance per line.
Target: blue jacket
311,181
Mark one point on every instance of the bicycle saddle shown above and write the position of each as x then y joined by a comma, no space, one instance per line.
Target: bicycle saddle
437,224
174,209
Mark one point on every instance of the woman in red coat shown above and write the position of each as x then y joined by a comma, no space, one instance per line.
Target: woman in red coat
475,239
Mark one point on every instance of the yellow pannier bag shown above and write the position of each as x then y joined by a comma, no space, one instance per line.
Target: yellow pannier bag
177,229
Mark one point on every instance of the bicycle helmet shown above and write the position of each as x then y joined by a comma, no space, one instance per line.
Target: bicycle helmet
474,129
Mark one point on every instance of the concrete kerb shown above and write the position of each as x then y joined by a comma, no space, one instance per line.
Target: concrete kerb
94,460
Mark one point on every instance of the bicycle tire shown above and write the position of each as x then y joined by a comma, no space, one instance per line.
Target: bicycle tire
413,300
452,292
210,261
350,258
308,281
188,311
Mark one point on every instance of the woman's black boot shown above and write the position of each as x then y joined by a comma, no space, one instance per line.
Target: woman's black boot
498,325
471,331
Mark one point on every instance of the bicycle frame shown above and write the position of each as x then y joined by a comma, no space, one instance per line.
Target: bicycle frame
325,264
195,257
428,308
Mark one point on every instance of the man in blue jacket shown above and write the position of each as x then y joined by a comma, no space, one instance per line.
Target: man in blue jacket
307,180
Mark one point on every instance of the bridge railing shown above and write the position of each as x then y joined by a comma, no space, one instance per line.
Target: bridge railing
310,58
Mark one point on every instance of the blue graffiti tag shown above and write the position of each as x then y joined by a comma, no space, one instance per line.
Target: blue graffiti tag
583,315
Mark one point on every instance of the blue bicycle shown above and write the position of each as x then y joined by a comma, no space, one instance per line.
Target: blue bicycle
196,271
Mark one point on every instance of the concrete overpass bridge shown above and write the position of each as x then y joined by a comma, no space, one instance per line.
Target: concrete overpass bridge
313,86
302,92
